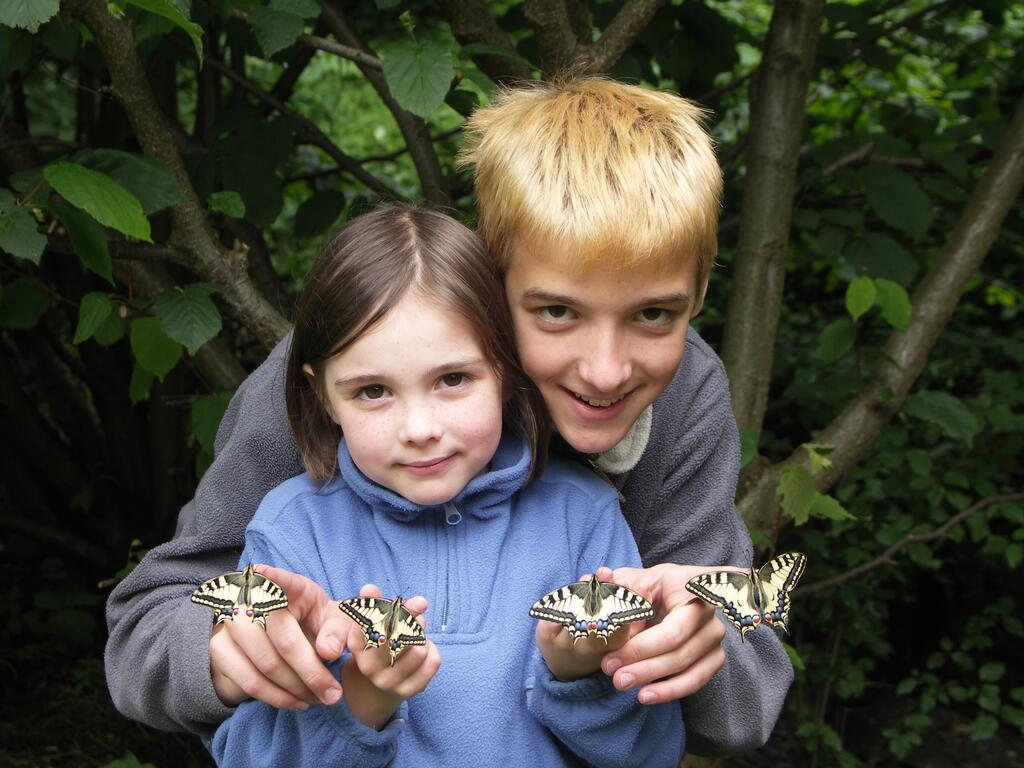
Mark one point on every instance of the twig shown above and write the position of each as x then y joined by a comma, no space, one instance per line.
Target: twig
344,51
911,538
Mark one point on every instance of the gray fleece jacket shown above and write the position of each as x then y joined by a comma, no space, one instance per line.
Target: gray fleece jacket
678,503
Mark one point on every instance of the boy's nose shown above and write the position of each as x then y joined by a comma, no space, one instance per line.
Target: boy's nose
605,365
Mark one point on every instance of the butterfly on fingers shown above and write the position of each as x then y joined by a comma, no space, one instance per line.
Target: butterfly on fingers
226,594
590,608
385,623
759,596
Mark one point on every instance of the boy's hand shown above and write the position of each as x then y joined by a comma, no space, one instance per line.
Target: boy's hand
373,687
683,650
280,666
568,661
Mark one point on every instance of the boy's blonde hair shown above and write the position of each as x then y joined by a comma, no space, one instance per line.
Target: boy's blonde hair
614,172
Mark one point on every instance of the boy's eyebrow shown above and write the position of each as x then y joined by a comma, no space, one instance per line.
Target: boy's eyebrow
376,378
535,294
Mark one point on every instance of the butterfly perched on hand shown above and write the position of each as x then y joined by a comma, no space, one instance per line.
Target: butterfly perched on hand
226,593
748,599
385,623
588,608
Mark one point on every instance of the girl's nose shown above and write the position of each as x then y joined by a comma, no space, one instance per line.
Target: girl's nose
420,426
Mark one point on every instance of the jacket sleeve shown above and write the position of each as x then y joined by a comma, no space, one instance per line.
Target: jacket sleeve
737,710
157,656
605,727
258,734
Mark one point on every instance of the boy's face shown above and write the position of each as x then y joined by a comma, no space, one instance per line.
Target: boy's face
602,343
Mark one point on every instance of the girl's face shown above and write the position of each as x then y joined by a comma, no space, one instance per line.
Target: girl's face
418,402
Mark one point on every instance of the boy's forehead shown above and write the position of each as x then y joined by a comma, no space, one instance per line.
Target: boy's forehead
565,258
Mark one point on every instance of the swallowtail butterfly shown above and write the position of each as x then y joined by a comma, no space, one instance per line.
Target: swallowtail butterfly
225,594
587,608
385,623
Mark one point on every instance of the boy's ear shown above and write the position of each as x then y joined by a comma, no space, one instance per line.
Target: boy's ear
700,300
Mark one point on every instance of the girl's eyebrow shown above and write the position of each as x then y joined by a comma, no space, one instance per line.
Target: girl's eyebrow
377,378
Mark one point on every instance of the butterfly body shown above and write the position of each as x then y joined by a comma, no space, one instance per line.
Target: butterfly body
226,593
759,596
591,609
385,623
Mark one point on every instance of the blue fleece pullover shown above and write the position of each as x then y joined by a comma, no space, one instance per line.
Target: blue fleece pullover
481,560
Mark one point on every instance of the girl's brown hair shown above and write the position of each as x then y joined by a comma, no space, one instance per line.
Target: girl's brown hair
363,272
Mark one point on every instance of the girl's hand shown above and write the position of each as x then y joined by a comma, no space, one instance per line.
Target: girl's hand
373,688
281,666
683,650
571,662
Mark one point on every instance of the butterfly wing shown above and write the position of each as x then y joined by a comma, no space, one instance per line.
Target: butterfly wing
777,579
564,606
220,594
384,623
591,608
731,591
621,606
264,596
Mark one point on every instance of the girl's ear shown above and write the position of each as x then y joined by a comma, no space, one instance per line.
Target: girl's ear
310,374
307,369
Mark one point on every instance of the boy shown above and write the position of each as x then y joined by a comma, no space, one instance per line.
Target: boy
600,202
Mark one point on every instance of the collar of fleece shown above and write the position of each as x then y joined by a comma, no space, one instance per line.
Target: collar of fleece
483,497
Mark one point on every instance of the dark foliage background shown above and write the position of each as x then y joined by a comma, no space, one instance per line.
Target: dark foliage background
168,169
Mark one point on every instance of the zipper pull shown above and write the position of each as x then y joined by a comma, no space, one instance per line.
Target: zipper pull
452,516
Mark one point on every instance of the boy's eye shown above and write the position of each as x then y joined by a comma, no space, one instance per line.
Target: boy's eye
556,312
654,316
372,392
453,379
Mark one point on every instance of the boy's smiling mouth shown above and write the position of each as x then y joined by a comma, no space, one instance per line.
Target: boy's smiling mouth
598,403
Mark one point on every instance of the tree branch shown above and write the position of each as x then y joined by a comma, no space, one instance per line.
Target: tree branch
904,355
414,129
778,104
191,230
308,132
619,35
555,36
911,538
473,22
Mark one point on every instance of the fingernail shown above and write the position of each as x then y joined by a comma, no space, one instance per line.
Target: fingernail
300,707
610,665
626,680
333,645
646,697
332,696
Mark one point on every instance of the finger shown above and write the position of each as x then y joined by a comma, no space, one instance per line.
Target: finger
672,632
332,639
306,598
707,640
388,677
685,684
605,574
422,675
299,661
235,677
262,652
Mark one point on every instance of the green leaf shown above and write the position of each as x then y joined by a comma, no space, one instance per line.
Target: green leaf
318,212
1014,554
836,339
748,445
898,199
145,177
188,316
306,9
992,671
205,416
88,240
817,454
27,14
478,78
796,488
112,330
173,14
274,30
880,256
944,410
860,296
984,727
894,302
140,384
826,507
19,231
24,303
794,657
418,73
101,197
154,351
92,313
228,202
906,685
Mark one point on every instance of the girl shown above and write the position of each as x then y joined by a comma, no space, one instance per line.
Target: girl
419,433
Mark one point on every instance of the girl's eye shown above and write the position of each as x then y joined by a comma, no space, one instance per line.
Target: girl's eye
556,313
654,316
372,392
453,379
